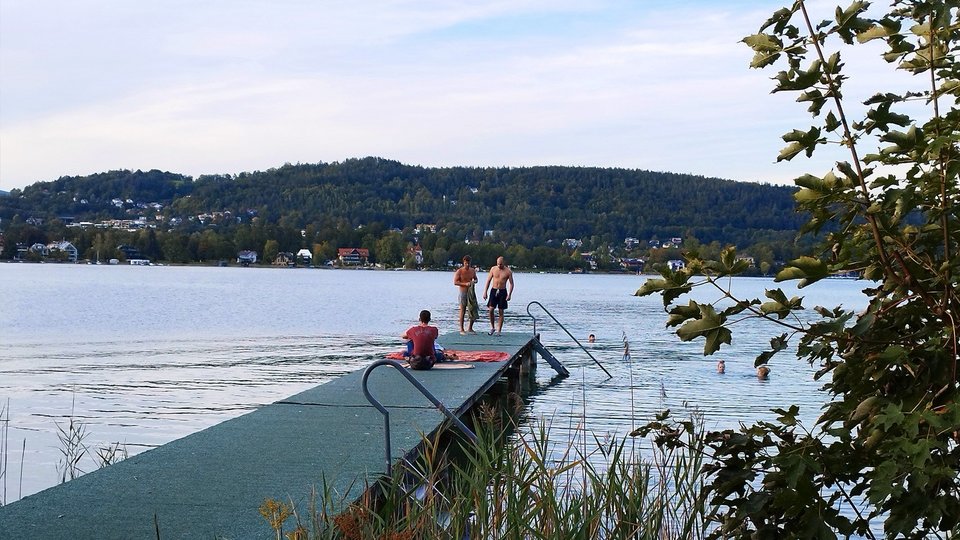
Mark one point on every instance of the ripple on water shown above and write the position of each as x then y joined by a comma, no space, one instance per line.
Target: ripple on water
201,345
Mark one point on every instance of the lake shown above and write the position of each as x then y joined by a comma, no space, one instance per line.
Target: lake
145,355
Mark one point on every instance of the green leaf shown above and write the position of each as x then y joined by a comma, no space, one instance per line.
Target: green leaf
710,327
672,286
790,151
763,43
902,142
679,314
764,59
800,141
865,407
807,269
849,23
830,122
779,20
777,344
651,286
878,30
889,416
848,172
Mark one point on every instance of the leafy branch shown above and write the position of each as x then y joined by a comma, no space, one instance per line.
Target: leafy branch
888,436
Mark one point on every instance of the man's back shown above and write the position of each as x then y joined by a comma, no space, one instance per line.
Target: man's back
423,338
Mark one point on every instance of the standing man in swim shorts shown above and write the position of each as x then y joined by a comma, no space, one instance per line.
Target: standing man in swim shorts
500,275
464,278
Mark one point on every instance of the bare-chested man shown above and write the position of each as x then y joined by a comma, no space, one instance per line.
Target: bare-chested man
500,276
464,277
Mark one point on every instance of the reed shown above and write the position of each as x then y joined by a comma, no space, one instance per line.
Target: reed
526,487
111,453
4,454
72,448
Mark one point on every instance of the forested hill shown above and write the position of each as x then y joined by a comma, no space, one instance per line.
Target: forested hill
527,205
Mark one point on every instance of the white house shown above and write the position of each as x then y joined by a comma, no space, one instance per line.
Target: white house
305,256
66,247
40,249
247,257
676,264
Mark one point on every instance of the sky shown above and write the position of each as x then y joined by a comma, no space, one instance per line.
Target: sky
227,86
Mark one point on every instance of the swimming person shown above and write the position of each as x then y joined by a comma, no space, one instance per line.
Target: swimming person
721,366
500,276
763,373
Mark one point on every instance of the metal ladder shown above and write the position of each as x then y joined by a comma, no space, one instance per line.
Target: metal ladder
386,414
549,356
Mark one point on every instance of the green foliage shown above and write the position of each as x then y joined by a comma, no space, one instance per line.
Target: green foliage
886,448
341,203
532,487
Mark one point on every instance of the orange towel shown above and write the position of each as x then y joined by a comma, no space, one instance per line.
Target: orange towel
463,356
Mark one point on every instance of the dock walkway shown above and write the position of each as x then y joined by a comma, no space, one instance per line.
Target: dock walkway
211,483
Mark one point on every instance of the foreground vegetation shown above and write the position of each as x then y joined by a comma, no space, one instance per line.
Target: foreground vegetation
529,488
887,446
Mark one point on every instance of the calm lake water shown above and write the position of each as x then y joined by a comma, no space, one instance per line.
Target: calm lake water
146,355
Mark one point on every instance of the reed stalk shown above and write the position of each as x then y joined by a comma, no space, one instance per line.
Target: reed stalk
528,488
4,453
72,448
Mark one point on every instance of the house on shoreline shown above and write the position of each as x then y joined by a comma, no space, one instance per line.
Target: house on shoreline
353,256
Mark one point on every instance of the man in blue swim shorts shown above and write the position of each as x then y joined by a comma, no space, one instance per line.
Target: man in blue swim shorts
501,279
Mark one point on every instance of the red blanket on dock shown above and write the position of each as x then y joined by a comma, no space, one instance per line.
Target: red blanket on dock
463,356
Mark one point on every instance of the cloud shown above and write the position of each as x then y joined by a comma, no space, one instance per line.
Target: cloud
224,87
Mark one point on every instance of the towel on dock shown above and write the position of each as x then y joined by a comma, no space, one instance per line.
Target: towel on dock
463,356
473,308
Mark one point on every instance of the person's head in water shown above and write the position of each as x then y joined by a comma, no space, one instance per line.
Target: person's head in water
763,372
721,366
424,316
591,338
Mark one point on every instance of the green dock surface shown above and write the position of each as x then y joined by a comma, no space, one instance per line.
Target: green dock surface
210,484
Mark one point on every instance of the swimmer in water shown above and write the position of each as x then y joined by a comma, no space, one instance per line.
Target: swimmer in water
763,373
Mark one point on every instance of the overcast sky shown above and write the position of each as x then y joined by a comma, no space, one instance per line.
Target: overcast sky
226,86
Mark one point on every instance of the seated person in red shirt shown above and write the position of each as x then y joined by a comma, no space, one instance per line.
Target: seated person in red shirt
422,336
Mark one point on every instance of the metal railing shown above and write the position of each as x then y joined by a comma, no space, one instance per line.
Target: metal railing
386,414
564,328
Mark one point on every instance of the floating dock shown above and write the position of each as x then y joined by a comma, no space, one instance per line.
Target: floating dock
210,484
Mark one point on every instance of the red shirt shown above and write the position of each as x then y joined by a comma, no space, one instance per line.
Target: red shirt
423,338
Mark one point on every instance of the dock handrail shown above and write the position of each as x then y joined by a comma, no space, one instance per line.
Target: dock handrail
386,414
564,328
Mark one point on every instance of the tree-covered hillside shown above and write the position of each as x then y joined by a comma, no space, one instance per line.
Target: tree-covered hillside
528,206
525,205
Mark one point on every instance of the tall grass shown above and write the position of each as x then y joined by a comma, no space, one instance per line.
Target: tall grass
4,454
525,488
73,449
